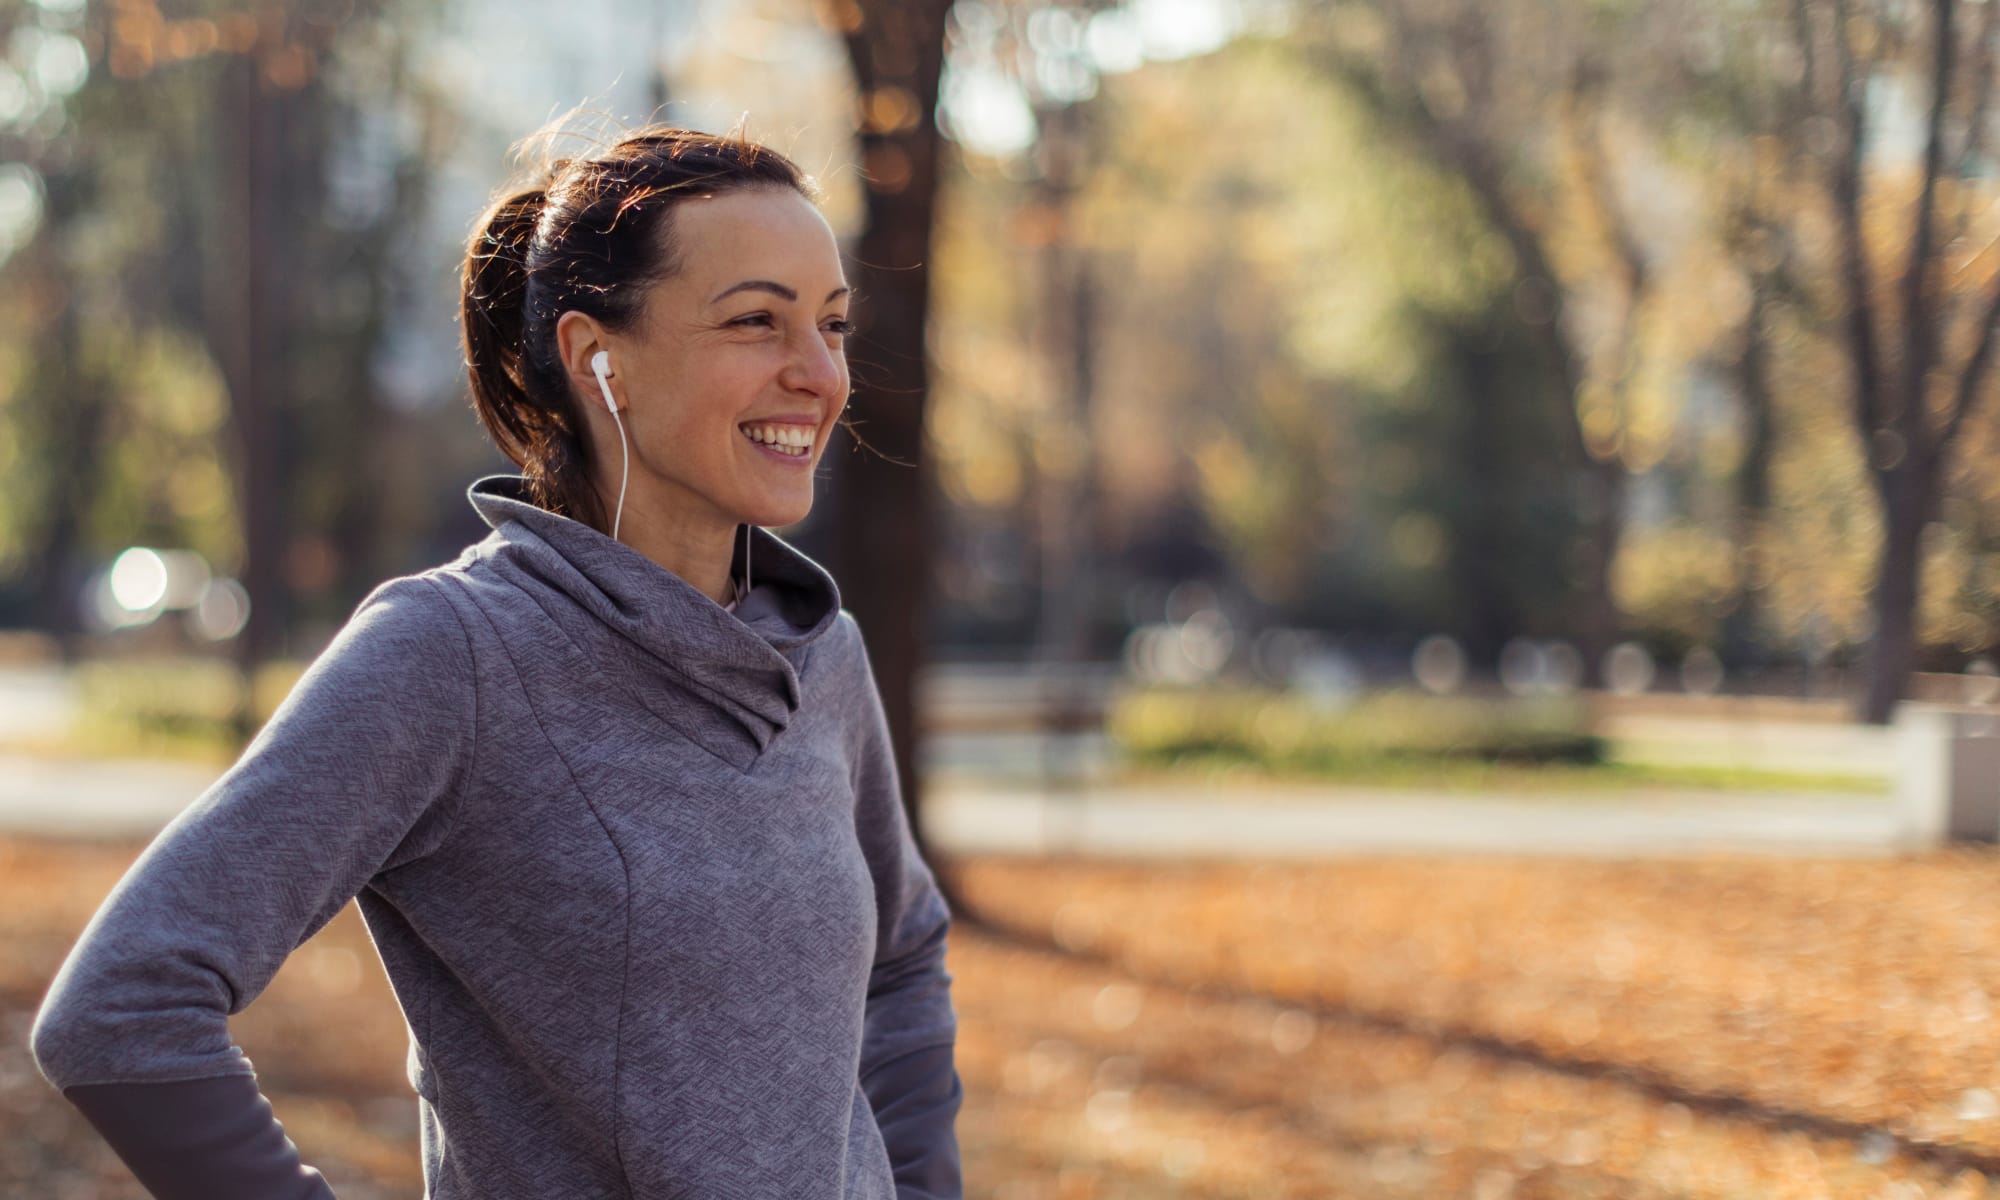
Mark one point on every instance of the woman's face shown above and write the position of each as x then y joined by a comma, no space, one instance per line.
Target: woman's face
736,370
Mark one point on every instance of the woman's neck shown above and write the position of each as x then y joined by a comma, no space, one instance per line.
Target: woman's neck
698,551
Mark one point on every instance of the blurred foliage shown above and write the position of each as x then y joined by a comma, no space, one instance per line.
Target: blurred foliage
1293,732
166,476
1317,371
174,707
1314,318
1296,328
1539,746
157,297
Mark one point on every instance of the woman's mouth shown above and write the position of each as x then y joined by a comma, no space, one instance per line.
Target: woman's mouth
781,440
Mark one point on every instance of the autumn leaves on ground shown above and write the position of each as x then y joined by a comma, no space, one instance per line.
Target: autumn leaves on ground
1406,1028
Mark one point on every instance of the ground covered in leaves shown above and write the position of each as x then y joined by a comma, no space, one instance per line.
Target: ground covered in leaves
1492,1028
1376,1028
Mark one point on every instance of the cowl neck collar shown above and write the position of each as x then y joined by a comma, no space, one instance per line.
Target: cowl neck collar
659,635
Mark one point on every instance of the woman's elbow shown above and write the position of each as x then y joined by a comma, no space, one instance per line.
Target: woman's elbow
60,1037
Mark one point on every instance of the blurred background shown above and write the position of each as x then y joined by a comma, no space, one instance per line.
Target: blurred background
1432,562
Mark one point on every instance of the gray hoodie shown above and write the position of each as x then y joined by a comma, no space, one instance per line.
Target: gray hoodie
637,867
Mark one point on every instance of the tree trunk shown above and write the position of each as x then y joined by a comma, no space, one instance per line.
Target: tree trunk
241,331
75,430
1599,621
1740,640
1909,502
72,406
882,545
1066,483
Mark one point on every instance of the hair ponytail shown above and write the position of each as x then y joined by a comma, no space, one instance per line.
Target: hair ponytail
591,234
539,437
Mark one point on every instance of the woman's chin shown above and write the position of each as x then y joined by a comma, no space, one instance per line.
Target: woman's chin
776,514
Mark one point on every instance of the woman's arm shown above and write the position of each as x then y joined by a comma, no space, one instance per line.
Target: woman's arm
354,773
910,1031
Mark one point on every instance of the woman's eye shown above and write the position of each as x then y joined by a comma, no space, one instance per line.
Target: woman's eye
840,325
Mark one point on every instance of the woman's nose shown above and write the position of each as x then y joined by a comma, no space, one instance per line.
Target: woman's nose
816,367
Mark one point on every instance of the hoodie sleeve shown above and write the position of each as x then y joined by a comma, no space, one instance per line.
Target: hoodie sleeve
352,775
910,1032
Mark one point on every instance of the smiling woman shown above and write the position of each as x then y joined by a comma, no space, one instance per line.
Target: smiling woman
704,269
623,819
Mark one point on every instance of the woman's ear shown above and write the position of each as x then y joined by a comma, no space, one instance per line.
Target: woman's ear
579,338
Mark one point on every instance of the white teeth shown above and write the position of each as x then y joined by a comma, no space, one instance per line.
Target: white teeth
795,440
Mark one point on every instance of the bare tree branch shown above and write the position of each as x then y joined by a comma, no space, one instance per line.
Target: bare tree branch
1472,45
1891,37
1846,186
1593,158
1807,101
1971,382
1981,73
1585,134
1462,155
1920,322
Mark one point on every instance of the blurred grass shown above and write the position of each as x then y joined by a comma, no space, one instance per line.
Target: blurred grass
1471,776
1287,730
179,708
1405,738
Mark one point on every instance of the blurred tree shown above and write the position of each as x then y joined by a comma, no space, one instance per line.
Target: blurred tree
1920,331
1297,326
1035,55
1506,524
882,549
1206,224
1065,462
258,261
1871,122
1768,257
1693,570
986,400
1507,99
57,412
1039,50
57,407
1321,317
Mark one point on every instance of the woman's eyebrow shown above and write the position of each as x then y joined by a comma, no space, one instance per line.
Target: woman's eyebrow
776,289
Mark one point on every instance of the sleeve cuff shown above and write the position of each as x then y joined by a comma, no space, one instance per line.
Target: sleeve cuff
200,1139
916,1100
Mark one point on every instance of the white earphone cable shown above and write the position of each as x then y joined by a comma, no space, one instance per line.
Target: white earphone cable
600,365
624,470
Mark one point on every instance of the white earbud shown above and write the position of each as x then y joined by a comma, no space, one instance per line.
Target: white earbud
600,364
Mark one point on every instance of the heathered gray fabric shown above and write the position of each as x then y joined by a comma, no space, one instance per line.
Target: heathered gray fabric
637,866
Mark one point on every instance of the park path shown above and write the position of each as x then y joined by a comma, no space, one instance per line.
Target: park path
95,798
1164,822
135,798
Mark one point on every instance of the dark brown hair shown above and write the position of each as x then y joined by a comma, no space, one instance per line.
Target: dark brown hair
590,234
